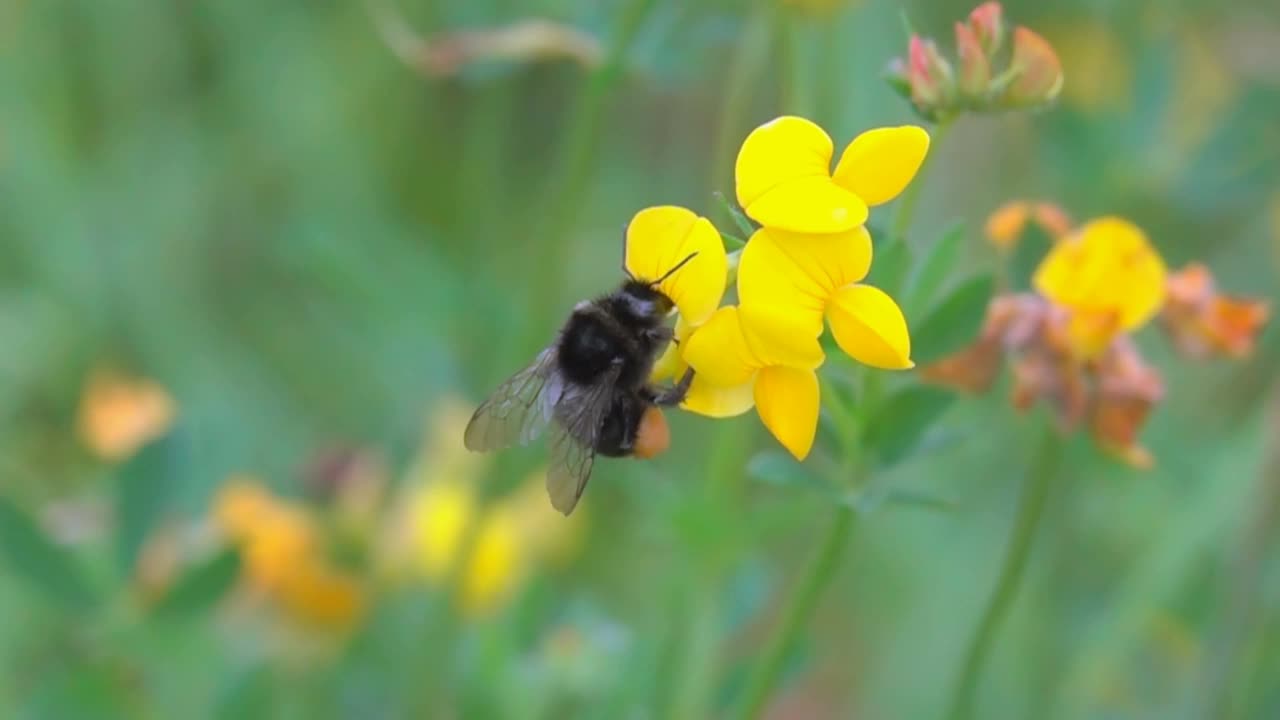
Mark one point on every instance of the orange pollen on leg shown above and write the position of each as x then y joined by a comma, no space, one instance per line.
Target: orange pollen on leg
653,436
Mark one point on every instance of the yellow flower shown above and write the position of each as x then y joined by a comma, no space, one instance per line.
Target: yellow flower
659,239
120,414
442,512
789,284
784,178
1108,278
733,374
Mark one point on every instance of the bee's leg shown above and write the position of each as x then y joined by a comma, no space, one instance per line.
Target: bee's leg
675,394
661,335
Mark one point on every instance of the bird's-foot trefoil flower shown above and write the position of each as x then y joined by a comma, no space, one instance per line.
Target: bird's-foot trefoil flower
1202,322
1007,223
785,181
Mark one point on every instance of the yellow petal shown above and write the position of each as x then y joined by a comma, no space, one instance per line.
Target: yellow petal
787,401
671,364
869,326
717,351
879,163
777,335
808,205
782,150
800,271
1108,266
719,401
659,238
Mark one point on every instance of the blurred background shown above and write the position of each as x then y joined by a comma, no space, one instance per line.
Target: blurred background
259,261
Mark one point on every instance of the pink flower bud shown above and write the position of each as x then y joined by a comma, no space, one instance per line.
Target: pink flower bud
1038,71
975,68
930,74
987,23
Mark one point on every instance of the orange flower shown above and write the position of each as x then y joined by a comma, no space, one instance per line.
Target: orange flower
1202,322
1127,389
120,414
1008,222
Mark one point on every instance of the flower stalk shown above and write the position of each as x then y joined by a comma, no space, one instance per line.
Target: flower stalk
1030,511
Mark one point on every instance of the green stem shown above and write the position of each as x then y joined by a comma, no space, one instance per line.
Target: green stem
907,205
1030,510
745,68
812,582
581,141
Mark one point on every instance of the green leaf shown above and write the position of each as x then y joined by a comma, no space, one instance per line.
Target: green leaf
249,693
1027,254
32,556
932,273
202,586
955,322
776,467
144,491
902,420
743,223
892,261
921,500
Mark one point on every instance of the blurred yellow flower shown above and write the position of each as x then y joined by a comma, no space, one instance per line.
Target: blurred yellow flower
119,414
784,178
452,537
659,239
1109,279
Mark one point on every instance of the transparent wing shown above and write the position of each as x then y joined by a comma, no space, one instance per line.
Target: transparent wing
519,409
578,418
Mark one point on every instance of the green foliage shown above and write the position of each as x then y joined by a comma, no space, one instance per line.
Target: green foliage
954,322
898,426
201,587
31,555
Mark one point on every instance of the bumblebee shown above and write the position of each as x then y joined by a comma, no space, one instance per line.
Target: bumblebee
591,388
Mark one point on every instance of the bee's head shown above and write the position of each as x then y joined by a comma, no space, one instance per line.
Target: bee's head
642,298
643,301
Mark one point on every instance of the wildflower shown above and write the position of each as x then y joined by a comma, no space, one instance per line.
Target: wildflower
485,552
120,414
282,554
1007,223
1107,277
785,182
1201,322
1032,78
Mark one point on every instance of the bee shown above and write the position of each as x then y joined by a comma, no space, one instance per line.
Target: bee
590,389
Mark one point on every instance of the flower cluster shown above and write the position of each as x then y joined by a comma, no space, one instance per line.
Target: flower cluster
1071,338
446,535
940,90
798,273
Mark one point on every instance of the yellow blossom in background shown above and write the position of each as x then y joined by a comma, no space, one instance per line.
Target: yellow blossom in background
1109,279
784,178
119,414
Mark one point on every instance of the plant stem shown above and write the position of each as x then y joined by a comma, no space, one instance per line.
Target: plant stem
907,204
1030,510
745,68
800,607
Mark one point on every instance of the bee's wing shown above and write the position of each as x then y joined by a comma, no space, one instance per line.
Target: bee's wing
578,419
519,409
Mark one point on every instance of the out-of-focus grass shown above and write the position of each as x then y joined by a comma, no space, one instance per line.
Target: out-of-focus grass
309,244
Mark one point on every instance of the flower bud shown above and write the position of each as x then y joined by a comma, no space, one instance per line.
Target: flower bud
987,24
975,68
1037,71
932,82
895,73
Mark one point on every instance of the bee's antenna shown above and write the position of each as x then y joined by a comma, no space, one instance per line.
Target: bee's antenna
679,265
625,269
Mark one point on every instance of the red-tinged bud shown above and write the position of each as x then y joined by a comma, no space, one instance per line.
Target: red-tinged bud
975,68
932,82
1038,72
987,23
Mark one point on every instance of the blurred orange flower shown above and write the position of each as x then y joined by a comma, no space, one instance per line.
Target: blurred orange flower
1202,322
119,414
282,554
1006,224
